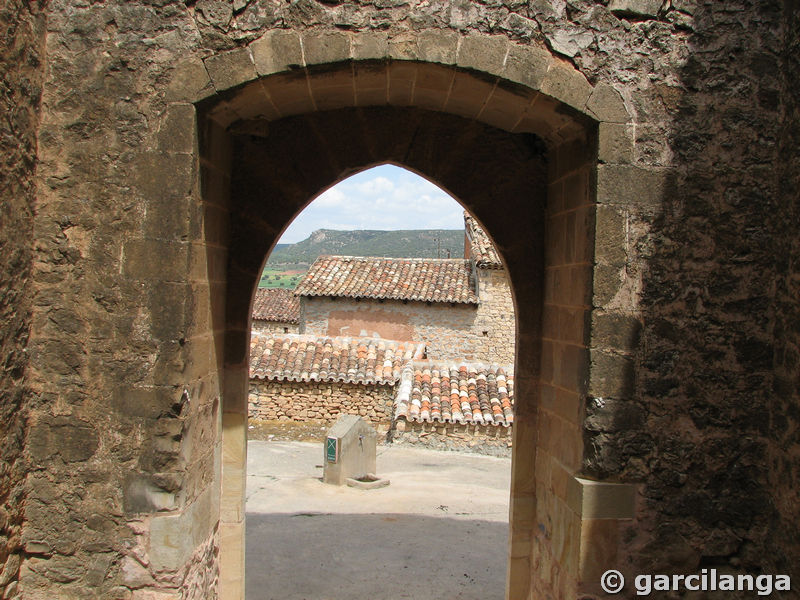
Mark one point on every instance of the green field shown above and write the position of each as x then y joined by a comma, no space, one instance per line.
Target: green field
281,276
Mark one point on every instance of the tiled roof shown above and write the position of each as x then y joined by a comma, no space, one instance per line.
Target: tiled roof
276,305
423,279
481,247
312,358
450,392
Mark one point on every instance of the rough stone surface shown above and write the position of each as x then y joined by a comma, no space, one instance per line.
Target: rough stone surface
707,194
294,401
21,74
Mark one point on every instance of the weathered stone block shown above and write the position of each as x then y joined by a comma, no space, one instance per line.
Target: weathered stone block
610,236
162,175
527,65
610,375
322,48
483,53
438,46
178,128
230,69
72,439
606,104
142,494
564,83
615,143
190,82
631,186
615,331
403,47
600,500
144,402
155,260
277,51
372,45
638,8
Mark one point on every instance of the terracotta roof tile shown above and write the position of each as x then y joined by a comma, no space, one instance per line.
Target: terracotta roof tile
481,247
452,392
311,358
422,279
277,305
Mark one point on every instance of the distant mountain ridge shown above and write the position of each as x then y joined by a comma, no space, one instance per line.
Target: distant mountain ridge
409,243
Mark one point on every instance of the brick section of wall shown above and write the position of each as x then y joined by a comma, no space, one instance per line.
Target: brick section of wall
296,401
21,73
449,331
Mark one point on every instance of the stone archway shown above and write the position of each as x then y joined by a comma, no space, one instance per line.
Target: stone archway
445,106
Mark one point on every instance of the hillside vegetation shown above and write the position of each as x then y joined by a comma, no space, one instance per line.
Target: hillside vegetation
288,262
413,243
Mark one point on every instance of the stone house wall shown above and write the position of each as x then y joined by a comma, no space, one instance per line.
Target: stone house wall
450,331
274,327
319,401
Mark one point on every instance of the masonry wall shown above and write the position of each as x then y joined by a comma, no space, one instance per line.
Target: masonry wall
21,74
450,331
478,439
696,382
274,328
314,401
784,475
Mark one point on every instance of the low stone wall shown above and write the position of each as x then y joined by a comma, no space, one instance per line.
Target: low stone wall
480,439
323,402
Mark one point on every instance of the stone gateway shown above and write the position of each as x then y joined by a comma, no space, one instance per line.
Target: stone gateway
635,162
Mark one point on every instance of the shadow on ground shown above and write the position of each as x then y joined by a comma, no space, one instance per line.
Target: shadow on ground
313,556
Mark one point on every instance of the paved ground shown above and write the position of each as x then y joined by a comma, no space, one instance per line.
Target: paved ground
439,531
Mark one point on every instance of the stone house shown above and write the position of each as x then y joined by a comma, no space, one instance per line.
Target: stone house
460,308
443,404
275,311
310,378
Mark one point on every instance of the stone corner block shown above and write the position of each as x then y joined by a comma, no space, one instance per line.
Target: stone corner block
615,143
177,130
637,8
527,65
277,50
190,82
610,375
371,45
483,53
325,47
231,69
404,46
606,104
632,186
567,85
601,500
438,46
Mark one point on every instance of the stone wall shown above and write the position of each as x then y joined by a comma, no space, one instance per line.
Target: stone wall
319,401
450,331
479,439
21,73
784,445
691,387
274,328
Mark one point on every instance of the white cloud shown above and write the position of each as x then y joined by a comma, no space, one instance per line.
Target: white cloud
385,197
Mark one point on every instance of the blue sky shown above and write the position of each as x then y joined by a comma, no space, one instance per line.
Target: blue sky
384,197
